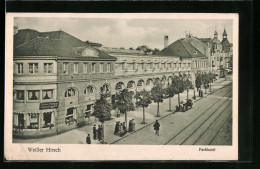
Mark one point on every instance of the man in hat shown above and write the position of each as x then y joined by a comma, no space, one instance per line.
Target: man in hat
88,140
156,127
99,133
94,132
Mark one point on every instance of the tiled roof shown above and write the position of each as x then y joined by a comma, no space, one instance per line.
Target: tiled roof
56,43
186,48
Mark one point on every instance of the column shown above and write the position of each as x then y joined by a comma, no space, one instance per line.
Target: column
53,117
15,119
27,120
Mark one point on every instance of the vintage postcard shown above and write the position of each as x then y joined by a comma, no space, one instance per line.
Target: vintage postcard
121,86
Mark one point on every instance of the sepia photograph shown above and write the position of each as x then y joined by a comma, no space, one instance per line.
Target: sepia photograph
119,82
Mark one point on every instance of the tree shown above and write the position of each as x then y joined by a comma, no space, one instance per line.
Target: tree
143,99
187,85
211,79
177,82
156,50
102,110
144,48
205,81
170,91
198,81
157,94
124,102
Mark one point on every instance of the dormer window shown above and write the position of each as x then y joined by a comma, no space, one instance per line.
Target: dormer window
82,51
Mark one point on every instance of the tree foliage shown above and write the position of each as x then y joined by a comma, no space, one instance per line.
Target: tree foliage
157,93
143,98
124,101
198,81
102,109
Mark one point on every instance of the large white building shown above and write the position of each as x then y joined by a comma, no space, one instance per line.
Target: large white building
57,77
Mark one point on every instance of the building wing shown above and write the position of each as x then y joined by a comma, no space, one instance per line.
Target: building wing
56,43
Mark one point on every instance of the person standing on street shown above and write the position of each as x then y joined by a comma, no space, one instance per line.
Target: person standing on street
133,125
94,132
99,133
156,127
88,140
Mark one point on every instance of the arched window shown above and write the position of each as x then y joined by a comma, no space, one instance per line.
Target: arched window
149,82
140,83
70,92
89,90
130,84
119,86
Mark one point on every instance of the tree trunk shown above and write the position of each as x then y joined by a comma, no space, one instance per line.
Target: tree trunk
187,94
194,93
205,90
170,104
103,133
158,111
126,121
210,87
179,98
143,115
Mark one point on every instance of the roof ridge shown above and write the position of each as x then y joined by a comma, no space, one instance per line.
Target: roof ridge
26,42
196,48
185,47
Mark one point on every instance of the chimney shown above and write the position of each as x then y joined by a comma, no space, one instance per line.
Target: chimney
166,41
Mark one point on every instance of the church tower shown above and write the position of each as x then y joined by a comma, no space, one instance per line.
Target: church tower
224,34
215,34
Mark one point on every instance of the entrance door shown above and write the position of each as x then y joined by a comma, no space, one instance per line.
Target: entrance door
21,120
70,119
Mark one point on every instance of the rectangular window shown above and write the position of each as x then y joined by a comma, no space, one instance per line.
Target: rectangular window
19,68
101,67
19,94
85,68
65,68
47,67
76,68
33,95
151,65
143,65
33,68
93,67
47,94
108,67
179,65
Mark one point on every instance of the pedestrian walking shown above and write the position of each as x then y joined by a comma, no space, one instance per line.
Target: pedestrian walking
133,125
99,133
156,127
94,132
88,140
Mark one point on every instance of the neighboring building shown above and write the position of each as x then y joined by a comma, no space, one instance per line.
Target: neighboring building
57,77
221,53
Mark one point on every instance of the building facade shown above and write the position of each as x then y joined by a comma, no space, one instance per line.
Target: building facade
57,77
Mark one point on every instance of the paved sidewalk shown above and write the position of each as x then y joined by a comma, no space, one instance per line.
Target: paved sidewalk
77,136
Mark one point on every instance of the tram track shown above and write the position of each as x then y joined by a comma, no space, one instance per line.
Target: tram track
204,122
210,143
216,92
195,120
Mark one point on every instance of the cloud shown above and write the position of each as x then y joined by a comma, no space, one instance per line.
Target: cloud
128,32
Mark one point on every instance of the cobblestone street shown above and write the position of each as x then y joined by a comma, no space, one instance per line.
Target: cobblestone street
208,122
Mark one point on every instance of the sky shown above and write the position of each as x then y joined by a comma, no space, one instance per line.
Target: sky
116,32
